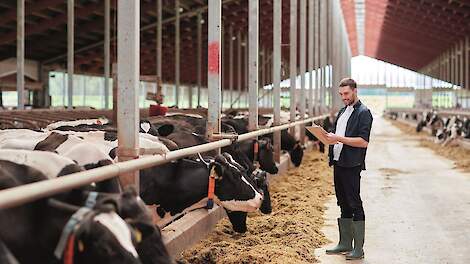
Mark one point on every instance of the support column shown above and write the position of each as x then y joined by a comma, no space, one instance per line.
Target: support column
107,38
253,63
177,52
293,60
311,56
213,69
303,58
467,66
199,58
158,48
461,66
277,27
239,72
323,37
20,53
317,57
230,64
128,85
70,49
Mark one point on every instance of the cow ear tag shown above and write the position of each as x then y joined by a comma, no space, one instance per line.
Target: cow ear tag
145,127
81,246
138,236
214,174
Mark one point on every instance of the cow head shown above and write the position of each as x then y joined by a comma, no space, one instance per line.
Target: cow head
266,156
261,182
296,154
234,190
102,236
149,244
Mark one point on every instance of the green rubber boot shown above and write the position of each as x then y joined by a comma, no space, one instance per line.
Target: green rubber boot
358,235
345,237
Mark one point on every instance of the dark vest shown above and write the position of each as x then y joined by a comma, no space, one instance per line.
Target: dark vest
359,125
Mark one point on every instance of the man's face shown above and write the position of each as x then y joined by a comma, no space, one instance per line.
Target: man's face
348,95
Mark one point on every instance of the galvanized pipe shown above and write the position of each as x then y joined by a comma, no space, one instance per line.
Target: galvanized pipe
177,52
293,60
253,63
70,49
128,79
214,67
107,61
20,54
311,56
276,74
199,57
303,58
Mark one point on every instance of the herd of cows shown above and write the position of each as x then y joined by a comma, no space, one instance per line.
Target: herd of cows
445,129
101,223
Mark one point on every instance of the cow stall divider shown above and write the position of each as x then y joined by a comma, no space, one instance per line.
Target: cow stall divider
177,236
465,143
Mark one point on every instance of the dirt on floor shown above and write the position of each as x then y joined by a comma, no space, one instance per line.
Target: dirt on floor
289,234
454,152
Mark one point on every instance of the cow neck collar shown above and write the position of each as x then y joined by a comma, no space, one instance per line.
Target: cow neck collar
65,248
255,152
211,184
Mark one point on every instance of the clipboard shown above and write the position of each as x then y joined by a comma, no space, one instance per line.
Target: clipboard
319,133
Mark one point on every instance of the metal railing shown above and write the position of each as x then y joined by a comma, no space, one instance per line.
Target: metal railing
30,192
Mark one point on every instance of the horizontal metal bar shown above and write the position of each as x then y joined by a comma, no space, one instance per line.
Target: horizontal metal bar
30,192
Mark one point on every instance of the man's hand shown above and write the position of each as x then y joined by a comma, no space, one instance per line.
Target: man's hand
332,138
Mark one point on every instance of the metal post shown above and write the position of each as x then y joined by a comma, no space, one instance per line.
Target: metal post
158,48
230,64
323,62
128,85
177,51
70,49
199,57
20,54
213,69
293,60
245,79
64,88
467,65
317,56
84,90
276,74
107,38
239,72
311,56
253,63
462,67
222,74
303,58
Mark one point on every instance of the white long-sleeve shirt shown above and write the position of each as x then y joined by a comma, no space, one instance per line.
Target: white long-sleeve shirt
341,130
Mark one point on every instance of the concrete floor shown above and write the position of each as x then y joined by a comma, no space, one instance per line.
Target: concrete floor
417,206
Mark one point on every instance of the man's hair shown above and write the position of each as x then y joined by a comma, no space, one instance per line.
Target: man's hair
348,82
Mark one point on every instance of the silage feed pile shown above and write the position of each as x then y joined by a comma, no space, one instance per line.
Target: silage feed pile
289,234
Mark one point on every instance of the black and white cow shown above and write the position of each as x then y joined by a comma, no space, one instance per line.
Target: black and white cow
288,142
128,205
32,231
180,184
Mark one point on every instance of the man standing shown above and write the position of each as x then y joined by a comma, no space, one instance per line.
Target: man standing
347,154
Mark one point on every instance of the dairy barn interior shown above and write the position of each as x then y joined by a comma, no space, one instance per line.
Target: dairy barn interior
176,131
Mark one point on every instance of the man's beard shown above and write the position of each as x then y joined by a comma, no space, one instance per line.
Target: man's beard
351,102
